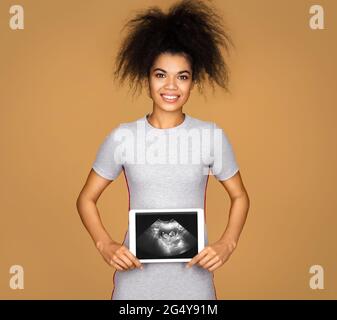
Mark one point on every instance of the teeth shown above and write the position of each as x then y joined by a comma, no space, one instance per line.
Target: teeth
170,97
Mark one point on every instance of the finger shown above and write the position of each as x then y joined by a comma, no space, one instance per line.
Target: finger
211,262
215,266
133,258
126,259
196,258
210,255
115,265
206,259
120,262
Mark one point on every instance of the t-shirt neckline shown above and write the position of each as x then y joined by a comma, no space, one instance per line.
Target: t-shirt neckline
181,125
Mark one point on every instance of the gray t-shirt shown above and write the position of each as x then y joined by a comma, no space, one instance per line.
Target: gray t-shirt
166,168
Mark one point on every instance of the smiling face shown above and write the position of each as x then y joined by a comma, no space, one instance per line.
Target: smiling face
170,81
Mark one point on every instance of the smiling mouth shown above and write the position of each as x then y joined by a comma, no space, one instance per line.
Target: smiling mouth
170,98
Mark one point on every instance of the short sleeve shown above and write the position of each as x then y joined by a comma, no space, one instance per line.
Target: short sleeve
224,164
107,163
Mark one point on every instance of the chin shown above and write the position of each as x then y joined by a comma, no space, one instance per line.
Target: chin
169,107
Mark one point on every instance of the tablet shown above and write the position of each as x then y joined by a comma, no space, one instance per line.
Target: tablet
166,235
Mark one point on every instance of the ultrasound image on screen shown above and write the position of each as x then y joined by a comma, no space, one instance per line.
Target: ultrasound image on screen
163,235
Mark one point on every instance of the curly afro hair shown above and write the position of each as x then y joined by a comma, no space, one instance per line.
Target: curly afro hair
190,28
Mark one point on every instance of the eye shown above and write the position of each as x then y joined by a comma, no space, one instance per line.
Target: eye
186,77
162,75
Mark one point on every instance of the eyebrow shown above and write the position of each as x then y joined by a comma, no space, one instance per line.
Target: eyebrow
183,71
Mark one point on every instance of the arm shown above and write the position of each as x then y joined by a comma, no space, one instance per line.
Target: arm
87,209
215,255
238,210
113,252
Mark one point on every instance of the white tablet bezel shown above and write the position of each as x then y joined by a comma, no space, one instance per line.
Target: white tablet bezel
132,231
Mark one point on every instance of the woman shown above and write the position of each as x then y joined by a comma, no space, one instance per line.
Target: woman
171,53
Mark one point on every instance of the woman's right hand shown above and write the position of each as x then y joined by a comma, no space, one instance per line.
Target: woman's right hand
118,255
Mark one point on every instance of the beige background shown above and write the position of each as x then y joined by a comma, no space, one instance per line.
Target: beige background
58,102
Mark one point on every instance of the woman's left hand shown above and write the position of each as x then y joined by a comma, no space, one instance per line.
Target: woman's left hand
213,256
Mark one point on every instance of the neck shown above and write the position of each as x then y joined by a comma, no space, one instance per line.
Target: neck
166,119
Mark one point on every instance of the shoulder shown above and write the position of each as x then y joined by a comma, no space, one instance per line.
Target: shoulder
131,125
215,129
121,128
200,123
210,124
207,124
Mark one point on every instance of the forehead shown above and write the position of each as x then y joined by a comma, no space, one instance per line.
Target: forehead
171,62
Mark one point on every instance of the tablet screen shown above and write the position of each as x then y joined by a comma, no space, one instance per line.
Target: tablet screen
167,235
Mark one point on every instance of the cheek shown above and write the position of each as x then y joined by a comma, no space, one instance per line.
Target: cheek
186,90
186,86
155,85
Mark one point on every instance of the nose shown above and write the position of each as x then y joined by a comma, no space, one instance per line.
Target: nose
171,83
